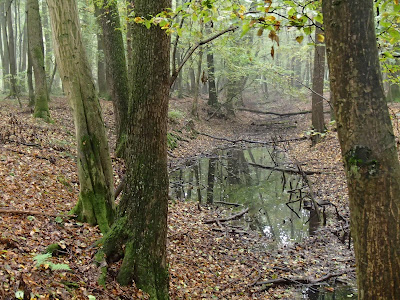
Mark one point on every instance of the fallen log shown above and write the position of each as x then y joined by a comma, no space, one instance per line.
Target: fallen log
250,141
278,114
32,212
291,171
228,203
301,280
230,218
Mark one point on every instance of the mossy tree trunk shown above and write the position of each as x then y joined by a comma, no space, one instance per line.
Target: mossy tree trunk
140,232
36,49
96,203
317,115
117,72
368,145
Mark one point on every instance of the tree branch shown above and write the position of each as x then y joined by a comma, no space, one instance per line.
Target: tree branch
194,48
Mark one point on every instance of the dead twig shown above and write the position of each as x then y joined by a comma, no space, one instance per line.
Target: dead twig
32,212
301,280
230,218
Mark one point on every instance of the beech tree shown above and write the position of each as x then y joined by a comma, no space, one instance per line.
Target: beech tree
96,203
37,56
318,86
114,53
367,143
140,232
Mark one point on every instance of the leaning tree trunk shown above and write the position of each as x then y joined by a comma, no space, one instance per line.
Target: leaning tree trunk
141,230
318,87
114,53
96,203
368,145
37,55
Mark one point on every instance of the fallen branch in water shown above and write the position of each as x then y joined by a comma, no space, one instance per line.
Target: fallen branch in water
291,171
278,114
230,218
228,203
250,141
301,280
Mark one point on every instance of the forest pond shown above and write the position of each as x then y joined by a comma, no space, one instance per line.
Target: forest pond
279,205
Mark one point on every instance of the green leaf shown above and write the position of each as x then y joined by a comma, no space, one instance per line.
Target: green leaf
59,267
91,297
41,258
245,29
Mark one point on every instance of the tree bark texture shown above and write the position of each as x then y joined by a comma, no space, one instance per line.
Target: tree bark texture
96,203
212,91
318,86
101,67
6,56
36,49
117,72
142,223
11,49
368,145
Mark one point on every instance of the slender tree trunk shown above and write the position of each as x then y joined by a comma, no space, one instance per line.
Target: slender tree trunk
53,75
368,145
114,53
96,203
195,104
179,81
47,37
24,53
11,50
141,230
101,67
318,86
30,81
37,54
212,91
6,59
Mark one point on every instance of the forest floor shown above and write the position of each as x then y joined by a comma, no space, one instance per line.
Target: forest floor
39,185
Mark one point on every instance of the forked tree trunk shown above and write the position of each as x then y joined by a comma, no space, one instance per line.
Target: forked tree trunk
37,55
368,145
140,232
318,86
96,203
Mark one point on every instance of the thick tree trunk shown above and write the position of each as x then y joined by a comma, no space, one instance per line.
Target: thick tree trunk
96,203
117,73
142,225
37,55
368,145
318,86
